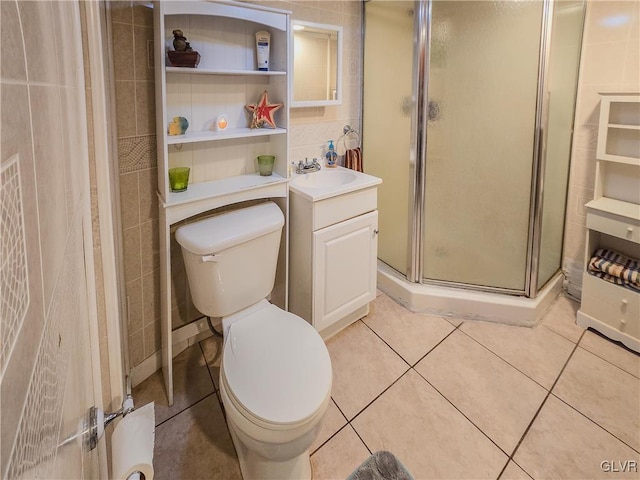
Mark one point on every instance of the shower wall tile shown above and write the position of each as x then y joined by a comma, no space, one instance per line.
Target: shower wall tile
136,347
132,258
143,40
151,297
126,108
123,55
145,108
152,339
135,306
12,65
129,200
150,246
148,186
121,12
142,14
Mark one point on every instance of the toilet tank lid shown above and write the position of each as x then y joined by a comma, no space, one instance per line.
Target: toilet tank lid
230,228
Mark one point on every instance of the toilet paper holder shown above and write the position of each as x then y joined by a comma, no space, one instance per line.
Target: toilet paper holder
94,423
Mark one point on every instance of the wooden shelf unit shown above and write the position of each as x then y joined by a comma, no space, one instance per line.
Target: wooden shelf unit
613,219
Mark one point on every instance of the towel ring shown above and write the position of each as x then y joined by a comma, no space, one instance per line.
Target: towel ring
348,134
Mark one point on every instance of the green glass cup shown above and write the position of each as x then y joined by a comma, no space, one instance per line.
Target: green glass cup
265,164
179,178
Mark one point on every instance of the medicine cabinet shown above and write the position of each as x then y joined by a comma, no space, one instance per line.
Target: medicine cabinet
317,64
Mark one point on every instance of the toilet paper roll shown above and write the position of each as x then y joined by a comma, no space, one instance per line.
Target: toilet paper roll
132,444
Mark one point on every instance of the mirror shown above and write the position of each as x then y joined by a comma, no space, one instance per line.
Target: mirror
317,64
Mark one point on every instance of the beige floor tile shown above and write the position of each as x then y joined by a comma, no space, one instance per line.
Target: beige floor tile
562,443
537,352
561,318
191,382
496,397
612,352
332,422
604,393
363,366
432,439
339,456
212,348
514,472
196,444
410,334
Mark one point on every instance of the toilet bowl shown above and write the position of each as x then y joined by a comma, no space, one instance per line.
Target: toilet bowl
275,376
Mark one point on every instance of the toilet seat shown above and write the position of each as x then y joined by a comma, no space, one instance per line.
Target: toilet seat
276,367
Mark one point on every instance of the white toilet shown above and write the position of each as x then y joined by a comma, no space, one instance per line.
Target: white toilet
275,377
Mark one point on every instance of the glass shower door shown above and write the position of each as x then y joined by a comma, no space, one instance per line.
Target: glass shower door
480,141
387,112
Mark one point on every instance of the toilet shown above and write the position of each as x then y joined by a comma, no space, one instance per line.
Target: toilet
275,377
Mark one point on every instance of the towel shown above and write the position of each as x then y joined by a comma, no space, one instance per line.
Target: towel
615,268
381,465
353,159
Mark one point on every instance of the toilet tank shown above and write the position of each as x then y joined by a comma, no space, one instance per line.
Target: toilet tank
231,258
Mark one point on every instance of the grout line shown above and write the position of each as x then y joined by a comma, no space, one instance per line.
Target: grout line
513,366
461,413
436,345
535,416
185,409
378,396
363,442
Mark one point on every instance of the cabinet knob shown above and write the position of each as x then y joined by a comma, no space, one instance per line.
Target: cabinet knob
376,231
623,324
630,229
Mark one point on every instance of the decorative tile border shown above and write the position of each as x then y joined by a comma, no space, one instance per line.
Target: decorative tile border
14,279
137,153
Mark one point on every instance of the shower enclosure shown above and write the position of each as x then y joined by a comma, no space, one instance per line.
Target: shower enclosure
467,117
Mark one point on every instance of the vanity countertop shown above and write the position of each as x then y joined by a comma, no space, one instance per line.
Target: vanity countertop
330,182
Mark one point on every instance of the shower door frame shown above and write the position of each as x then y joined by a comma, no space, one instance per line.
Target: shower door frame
418,155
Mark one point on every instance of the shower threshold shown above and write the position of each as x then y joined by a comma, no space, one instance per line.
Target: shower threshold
468,304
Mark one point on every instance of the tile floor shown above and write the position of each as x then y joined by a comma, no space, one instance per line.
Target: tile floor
450,398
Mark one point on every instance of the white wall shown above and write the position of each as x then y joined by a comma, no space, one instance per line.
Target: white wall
610,62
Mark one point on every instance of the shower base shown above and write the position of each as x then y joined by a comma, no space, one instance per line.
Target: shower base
468,304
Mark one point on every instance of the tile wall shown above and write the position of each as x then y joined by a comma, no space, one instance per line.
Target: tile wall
132,32
610,62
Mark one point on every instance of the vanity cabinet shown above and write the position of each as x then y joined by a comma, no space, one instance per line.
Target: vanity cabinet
334,249
222,162
613,219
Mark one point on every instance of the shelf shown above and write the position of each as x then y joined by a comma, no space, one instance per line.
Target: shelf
615,207
222,71
210,136
220,188
624,126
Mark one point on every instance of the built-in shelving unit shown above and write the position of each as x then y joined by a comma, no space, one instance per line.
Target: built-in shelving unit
613,219
223,163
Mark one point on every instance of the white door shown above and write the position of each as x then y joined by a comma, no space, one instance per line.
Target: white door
49,358
344,259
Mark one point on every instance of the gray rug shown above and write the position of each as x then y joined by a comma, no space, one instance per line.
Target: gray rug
381,466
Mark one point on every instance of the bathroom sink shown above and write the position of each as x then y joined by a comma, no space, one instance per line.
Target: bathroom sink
330,182
325,178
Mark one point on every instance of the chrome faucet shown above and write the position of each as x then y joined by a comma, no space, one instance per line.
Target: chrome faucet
308,167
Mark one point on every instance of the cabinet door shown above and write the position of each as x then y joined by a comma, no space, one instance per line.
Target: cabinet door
344,260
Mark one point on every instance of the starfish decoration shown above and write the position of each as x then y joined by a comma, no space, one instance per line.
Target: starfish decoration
263,112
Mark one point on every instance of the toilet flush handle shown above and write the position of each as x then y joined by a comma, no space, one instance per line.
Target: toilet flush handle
211,258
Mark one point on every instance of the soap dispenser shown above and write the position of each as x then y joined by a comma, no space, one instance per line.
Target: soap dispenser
331,156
